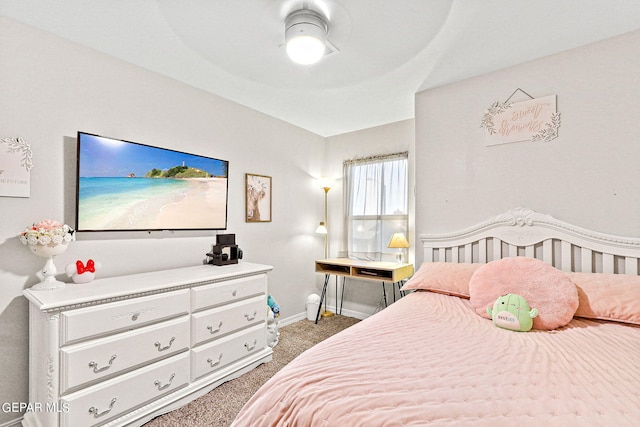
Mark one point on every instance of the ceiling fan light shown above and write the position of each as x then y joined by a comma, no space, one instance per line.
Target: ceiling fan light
305,34
305,50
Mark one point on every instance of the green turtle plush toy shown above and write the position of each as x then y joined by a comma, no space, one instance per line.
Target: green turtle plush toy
512,311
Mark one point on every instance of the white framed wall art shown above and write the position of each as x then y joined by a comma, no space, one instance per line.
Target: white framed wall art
15,167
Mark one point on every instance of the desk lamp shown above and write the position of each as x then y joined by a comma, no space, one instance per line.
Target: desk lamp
399,241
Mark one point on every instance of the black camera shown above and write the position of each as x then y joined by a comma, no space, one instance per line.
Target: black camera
225,251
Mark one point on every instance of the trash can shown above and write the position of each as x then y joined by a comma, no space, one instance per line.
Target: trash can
313,303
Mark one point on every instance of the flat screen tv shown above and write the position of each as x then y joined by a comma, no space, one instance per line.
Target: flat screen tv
126,186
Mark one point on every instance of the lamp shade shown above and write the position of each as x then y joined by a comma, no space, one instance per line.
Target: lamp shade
398,240
322,229
326,182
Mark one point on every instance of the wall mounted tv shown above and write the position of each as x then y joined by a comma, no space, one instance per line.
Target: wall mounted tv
126,186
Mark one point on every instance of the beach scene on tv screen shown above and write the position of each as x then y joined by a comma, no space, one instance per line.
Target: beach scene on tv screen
129,186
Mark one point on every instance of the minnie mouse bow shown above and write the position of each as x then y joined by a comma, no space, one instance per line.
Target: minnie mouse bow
90,267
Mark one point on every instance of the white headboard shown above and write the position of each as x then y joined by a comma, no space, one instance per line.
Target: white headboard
524,232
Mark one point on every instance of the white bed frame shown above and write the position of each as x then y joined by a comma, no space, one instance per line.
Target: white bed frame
524,232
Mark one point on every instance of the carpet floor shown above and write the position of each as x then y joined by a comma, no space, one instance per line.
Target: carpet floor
219,407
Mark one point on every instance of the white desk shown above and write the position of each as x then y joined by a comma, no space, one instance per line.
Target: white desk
377,271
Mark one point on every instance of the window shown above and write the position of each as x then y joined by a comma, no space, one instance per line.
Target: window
376,205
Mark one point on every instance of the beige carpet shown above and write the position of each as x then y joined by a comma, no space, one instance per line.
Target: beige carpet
219,407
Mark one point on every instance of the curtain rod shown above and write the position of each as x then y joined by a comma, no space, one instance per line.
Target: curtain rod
376,157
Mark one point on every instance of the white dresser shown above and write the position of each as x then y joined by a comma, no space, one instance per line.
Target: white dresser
122,350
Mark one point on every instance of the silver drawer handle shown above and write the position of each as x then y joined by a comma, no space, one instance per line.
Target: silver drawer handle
94,365
250,317
135,316
157,344
234,293
212,363
212,331
158,384
93,410
251,347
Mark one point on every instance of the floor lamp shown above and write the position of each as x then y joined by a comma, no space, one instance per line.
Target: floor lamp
326,184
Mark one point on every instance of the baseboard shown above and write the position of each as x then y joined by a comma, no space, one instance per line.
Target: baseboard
292,319
301,316
355,314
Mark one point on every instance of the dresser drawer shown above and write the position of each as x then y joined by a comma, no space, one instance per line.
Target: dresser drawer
217,322
94,321
96,359
98,404
228,291
219,353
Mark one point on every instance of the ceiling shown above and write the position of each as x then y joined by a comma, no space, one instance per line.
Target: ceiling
388,49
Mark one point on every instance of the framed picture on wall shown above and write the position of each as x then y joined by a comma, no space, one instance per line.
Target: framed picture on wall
16,161
258,198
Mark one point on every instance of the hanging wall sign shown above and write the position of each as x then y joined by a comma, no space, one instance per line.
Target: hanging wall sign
15,167
534,120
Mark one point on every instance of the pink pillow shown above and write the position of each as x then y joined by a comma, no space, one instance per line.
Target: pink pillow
443,277
608,296
544,287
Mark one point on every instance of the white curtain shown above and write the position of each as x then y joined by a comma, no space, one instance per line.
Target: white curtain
376,194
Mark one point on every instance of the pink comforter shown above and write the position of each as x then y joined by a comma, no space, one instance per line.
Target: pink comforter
430,360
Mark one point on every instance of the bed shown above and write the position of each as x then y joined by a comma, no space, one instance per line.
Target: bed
436,357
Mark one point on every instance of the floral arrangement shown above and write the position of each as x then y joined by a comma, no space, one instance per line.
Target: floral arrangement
47,232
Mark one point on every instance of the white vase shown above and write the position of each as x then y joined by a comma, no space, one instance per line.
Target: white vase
49,271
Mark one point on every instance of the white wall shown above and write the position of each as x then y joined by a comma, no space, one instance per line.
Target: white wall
363,297
588,176
51,88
